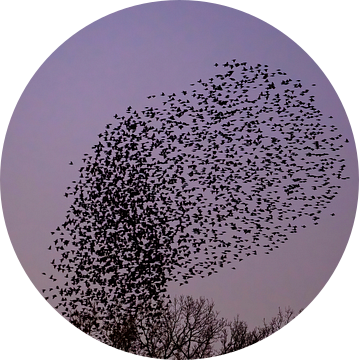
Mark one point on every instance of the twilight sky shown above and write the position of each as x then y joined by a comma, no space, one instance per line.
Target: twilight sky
118,61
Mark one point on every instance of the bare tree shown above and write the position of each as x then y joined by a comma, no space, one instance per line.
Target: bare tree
240,337
87,320
277,322
123,335
113,327
187,329
182,329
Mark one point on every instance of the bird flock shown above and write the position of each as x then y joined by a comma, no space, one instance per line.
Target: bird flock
198,180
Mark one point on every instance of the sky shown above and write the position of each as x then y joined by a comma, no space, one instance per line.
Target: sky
63,94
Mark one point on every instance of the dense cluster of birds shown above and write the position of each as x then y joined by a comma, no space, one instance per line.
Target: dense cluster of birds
195,182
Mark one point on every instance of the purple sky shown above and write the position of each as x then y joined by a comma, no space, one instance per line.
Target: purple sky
117,62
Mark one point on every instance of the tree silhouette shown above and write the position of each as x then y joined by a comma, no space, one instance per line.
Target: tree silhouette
187,329
87,321
124,335
240,336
